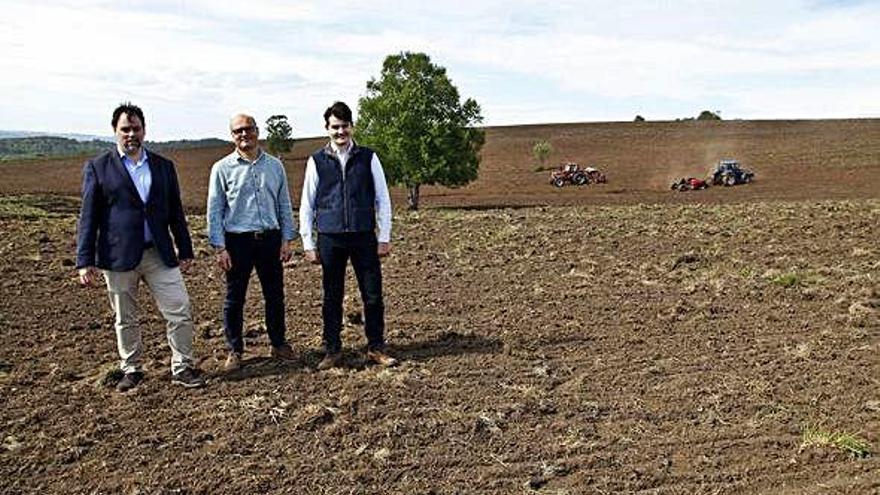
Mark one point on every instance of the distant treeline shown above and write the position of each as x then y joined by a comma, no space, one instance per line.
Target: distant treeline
55,147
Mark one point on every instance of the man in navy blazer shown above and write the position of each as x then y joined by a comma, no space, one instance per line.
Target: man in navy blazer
131,208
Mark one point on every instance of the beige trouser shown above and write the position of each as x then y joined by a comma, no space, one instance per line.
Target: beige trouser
169,292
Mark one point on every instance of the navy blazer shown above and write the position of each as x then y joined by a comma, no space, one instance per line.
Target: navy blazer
111,222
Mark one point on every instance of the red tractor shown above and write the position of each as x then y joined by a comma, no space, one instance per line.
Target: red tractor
571,173
689,184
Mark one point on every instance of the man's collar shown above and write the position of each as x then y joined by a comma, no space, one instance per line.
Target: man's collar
331,146
141,158
242,157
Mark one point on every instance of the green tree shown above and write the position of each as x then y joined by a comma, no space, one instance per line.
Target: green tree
414,119
541,150
707,115
279,139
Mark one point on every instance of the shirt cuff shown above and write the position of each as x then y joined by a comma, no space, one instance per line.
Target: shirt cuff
308,242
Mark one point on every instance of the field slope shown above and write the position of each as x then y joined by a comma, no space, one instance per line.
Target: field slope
614,339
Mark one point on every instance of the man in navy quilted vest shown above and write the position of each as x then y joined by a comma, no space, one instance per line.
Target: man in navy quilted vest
346,198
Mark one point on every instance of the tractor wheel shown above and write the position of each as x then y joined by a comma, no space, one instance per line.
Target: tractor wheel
558,182
579,179
729,180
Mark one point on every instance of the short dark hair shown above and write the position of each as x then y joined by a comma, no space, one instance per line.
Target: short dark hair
129,109
339,110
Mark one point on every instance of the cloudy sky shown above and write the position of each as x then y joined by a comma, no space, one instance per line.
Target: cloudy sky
192,63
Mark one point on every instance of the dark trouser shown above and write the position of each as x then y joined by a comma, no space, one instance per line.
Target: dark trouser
248,251
335,250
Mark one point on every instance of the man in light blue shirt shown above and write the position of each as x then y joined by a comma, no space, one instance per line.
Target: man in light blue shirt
250,225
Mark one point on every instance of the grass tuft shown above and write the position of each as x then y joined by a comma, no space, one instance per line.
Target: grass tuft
815,436
788,280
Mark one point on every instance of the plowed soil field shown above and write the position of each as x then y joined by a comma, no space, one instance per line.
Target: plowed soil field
620,338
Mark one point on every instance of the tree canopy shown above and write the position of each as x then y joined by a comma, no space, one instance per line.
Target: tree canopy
413,117
279,137
708,115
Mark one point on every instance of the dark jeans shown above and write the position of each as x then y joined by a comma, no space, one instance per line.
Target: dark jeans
335,250
248,251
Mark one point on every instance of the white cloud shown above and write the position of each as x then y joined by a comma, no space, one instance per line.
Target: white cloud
811,103
259,10
191,64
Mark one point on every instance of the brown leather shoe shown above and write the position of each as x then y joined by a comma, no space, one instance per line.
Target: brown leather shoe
380,357
331,360
283,352
233,362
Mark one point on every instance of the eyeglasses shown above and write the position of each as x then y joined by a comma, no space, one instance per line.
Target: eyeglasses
246,130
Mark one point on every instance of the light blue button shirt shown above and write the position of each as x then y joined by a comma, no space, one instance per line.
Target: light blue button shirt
245,196
139,172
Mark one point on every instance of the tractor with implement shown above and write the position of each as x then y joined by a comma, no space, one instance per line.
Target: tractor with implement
572,173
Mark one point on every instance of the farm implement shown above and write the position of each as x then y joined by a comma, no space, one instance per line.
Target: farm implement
689,184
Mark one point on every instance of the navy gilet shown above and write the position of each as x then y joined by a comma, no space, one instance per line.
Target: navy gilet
349,204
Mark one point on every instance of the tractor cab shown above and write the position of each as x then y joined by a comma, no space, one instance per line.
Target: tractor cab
729,172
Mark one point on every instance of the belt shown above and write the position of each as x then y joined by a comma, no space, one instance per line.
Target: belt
256,234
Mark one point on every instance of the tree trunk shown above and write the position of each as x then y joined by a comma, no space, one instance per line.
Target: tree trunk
412,197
